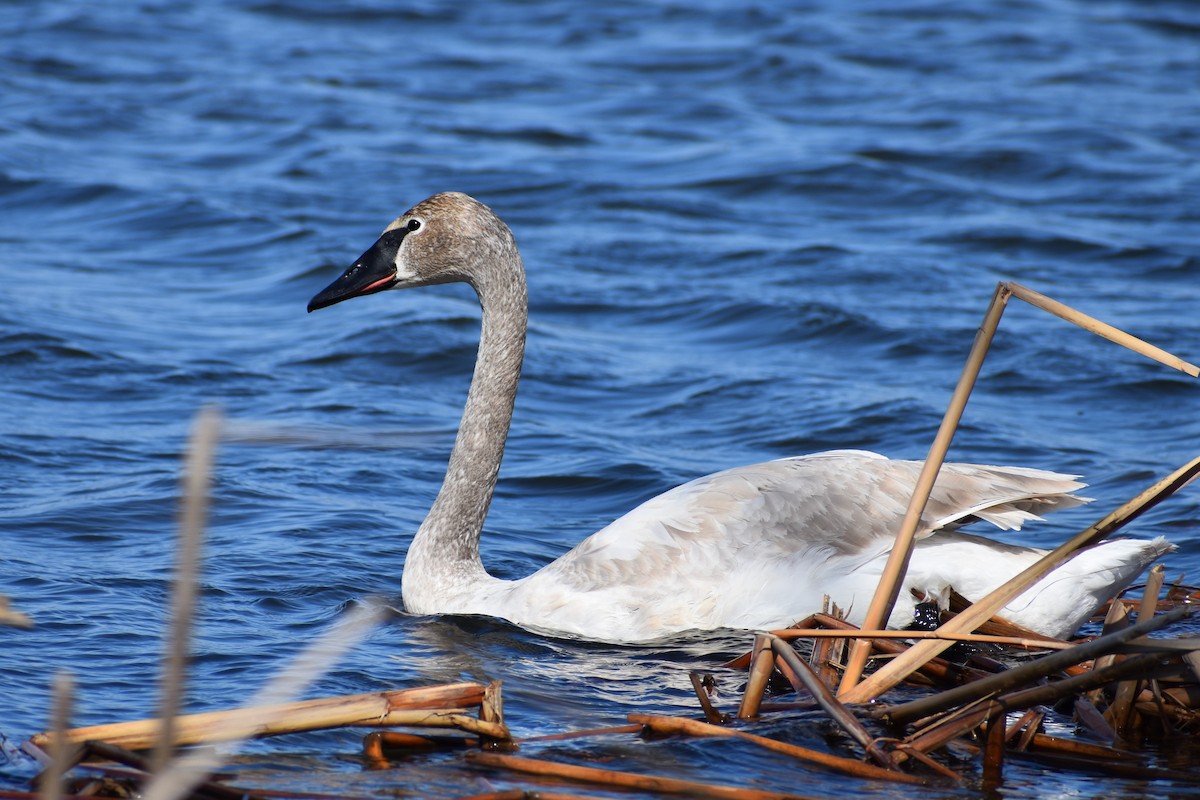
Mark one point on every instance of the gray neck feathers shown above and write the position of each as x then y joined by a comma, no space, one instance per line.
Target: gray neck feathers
447,543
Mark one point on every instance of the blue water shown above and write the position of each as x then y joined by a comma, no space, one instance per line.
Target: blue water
751,231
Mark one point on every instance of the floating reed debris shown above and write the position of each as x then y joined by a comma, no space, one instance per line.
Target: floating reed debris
1131,676
446,706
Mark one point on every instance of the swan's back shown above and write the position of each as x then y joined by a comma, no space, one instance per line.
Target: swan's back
760,545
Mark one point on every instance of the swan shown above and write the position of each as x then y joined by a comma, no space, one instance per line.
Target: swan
752,547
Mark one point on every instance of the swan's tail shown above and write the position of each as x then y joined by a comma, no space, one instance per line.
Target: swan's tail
1068,596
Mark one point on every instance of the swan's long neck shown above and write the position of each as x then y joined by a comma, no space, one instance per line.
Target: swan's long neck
444,557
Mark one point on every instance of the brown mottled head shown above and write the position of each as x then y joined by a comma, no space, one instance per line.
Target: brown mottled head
446,238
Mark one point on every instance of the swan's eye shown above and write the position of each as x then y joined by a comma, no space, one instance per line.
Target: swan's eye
414,225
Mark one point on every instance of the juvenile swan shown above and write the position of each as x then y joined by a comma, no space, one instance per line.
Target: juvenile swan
751,547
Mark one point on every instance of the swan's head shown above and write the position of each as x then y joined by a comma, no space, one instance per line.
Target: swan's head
448,237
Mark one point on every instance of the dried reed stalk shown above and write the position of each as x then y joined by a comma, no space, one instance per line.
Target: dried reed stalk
888,588
197,477
762,664
375,743
1102,329
900,667
1154,584
1120,713
1025,729
624,780
420,706
846,766
1116,618
826,654
61,752
897,564
1057,744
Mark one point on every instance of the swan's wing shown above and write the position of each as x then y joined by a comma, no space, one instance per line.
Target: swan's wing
841,505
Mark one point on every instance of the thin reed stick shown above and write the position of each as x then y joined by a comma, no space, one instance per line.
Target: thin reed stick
1154,584
1120,714
60,750
491,716
624,780
899,668
1102,329
888,588
206,431
1117,618
846,766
